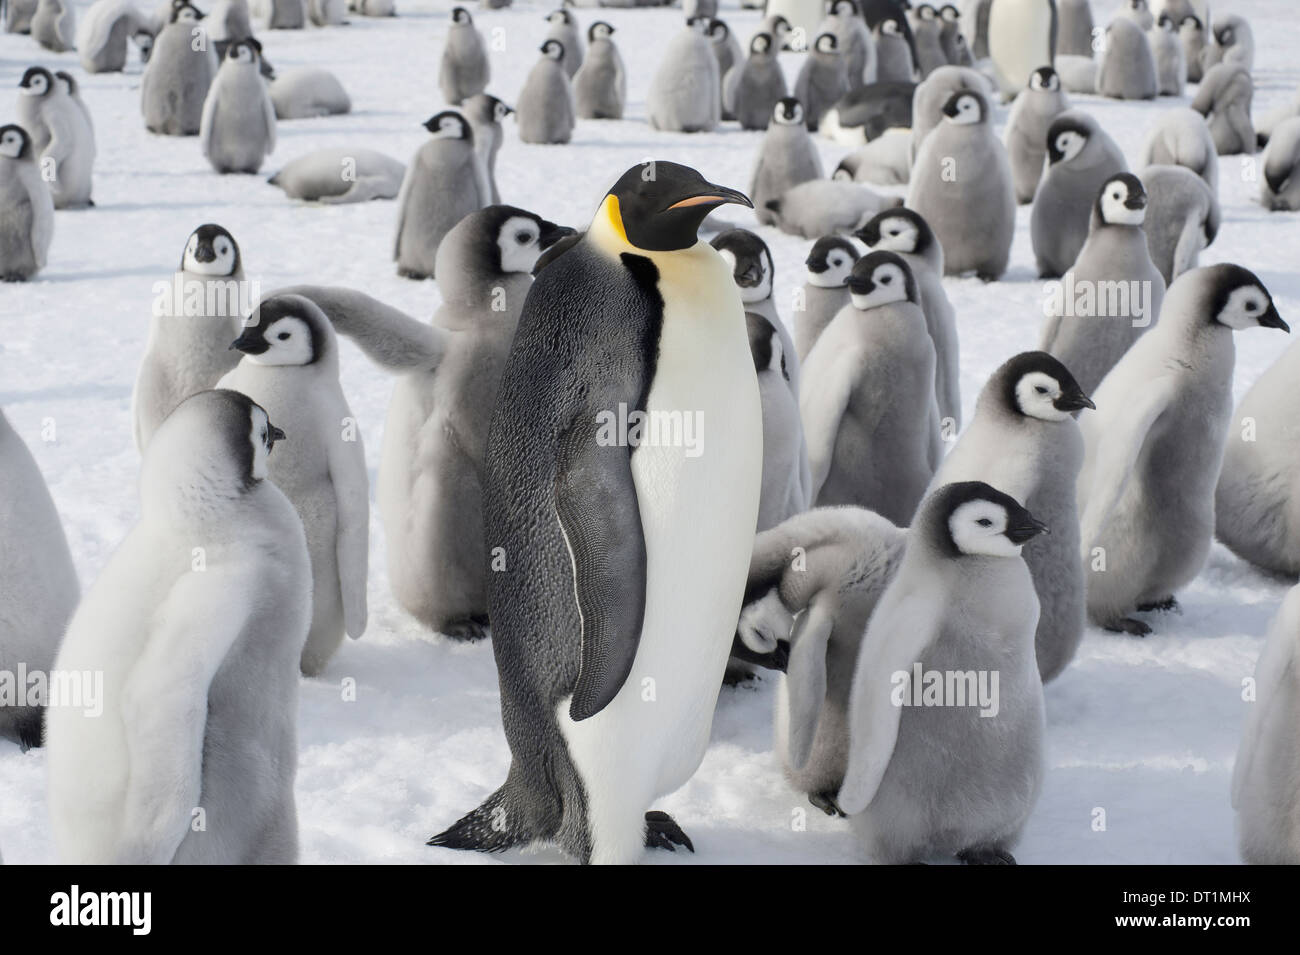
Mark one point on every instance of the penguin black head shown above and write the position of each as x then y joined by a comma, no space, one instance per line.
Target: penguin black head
844,8
830,261
881,278
1166,23
699,24
1066,137
514,239
559,16
826,43
449,124
221,439
183,10
600,30
972,519
1225,34
760,43
68,82
965,108
788,112
659,205
750,261
926,12
1193,21
780,25
461,15
1122,200
553,50
14,142
36,81
1238,298
247,51
1044,78
211,250
1036,385
889,27
284,330
765,345
898,230
949,14
718,30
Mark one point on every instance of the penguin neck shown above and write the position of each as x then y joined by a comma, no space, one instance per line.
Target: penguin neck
607,235
471,298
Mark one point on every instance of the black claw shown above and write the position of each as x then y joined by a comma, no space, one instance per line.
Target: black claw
1128,625
29,730
468,630
661,832
1162,606
986,856
826,803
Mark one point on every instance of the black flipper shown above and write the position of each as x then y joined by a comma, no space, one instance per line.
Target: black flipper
492,827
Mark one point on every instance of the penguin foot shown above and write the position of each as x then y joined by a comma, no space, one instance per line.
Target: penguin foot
467,629
826,803
29,730
1163,606
1128,625
661,832
986,856
412,274
737,673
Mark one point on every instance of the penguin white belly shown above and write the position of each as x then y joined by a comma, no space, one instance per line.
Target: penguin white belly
698,514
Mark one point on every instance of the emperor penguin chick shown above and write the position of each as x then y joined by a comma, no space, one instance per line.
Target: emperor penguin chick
1257,503
564,30
823,79
291,368
1088,328
485,114
62,136
867,397
727,51
751,90
1167,51
1182,218
545,107
854,40
1279,188
1224,98
1191,33
237,130
1024,438
444,182
894,60
54,25
1081,156
1127,69
826,290
465,71
786,157
974,212
177,77
26,209
1180,137
1156,444
600,86
950,776
686,92
1026,134
200,670
38,584
1263,776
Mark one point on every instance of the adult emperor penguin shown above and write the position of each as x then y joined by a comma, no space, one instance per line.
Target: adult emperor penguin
1088,327
823,79
752,89
430,490
1026,134
291,368
1191,33
854,40
237,129
26,208
1180,137
465,71
686,92
600,86
103,34
486,113
1279,188
338,176
894,58
307,92
974,212
977,756
849,555
546,106
1182,218
608,531
826,290
1263,776
1074,28
564,28
444,182
1022,37
905,232
180,70
787,157
1081,156
727,52
38,584
1167,50
1024,439
1156,444
1257,504
1127,69
867,399
54,25
61,135
200,701
1224,98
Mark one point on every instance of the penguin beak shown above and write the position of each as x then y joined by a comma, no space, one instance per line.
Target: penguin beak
250,343
204,253
860,285
274,435
750,277
552,233
815,265
1271,319
1025,528
712,195
1135,202
1074,402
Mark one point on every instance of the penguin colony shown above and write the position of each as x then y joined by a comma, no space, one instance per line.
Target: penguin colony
841,528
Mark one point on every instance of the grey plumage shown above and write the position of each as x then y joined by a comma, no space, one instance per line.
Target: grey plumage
104,32
933,93
1074,27
464,71
54,25
600,85
237,128
306,92
786,157
1191,33
826,291
752,88
1127,70
1182,218
61,132
1167,51
485,114
1224,98
564,28
1180,137
340,176
1026,132
177,78
1279,187
823,79
728,53
545,106
826,206
686,92
894,61
27,223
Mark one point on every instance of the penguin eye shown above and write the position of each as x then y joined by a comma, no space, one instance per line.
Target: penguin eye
886,279
1252,305
984,522
1040,389
283,336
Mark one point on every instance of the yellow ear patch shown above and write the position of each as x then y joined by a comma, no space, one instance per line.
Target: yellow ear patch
615,216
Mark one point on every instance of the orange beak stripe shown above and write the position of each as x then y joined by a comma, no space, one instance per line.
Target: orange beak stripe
697,201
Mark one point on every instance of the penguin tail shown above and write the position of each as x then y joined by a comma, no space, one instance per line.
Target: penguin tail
492,827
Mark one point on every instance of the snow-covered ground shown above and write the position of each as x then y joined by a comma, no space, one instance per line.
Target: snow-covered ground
1144,729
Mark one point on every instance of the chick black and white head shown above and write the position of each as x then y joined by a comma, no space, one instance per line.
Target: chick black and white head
14,142
718,30
889,27
559,16
765,346
750,261
1036,385
285,330
449,125
973,519
1066,138
926,12
965,108
881,278
517,237
210,250
788,111
1166,23
831,260
184,12
246,52
699,24
780,28
553,50
844,9
1044,79
36,81
898,230
1122,201
760,43
1190,24
460,15
600,30
1235,297
214,446
826,43
949,13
